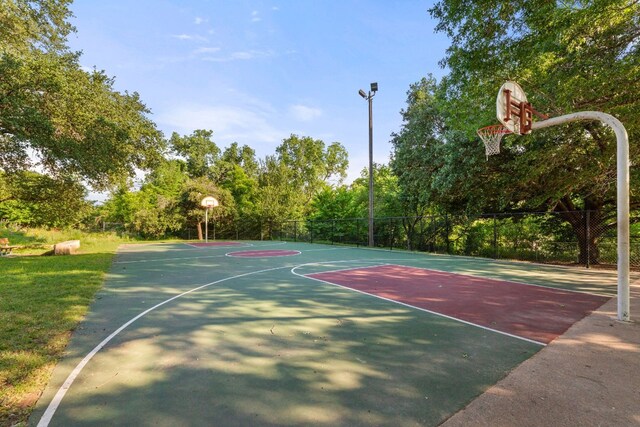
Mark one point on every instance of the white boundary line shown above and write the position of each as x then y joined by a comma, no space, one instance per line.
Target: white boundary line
327,249
240,245
57,399
412,306
515,282
574,269
168,259
182,258
231,254
347,269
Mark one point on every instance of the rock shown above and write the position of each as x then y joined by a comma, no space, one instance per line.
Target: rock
66,248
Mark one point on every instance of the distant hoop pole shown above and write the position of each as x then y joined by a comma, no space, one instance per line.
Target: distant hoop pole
622,159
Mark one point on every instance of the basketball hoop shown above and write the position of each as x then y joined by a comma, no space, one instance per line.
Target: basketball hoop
209,202
491,136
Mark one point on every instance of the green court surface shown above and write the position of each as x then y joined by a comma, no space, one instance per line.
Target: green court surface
184,335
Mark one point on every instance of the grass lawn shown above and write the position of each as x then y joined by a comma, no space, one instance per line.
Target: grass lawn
42,300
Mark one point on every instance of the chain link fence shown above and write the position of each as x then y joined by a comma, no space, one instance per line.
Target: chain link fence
586,238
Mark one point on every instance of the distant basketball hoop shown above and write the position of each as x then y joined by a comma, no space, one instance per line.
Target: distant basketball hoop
207,203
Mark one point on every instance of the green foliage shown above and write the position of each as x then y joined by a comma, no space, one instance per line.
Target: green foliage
71,120
309,166
237,172
338,203
301,169
36,200
569,56
386,193
199,151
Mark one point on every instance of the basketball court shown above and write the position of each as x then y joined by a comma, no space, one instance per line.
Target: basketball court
274,333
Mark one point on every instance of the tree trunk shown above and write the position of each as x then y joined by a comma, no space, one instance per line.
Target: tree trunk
588,226
200,235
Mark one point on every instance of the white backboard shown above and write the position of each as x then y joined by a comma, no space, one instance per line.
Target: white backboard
209,202
518,96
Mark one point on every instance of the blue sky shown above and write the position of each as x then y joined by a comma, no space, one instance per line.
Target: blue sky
255,72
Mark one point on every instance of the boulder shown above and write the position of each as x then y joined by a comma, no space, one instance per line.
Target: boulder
66,248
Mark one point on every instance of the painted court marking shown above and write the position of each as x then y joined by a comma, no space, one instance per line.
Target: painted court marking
413,307
57,399
535,313
267,253
216,244
167,259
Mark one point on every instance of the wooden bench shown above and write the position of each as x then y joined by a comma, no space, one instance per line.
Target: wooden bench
5,248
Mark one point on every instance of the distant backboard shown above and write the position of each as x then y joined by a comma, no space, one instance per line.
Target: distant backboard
209,202
512,108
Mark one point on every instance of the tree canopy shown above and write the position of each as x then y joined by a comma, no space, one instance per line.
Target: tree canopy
54,114
568,56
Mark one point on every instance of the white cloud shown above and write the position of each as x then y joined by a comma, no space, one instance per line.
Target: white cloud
255,16
241,56
304,113
246,125
189,37
206,50
198,20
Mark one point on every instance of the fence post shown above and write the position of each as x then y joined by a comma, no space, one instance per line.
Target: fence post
446,231
333,230
393,232
588,237
295,230
495,237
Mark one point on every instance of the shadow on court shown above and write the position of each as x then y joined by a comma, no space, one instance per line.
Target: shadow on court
269,348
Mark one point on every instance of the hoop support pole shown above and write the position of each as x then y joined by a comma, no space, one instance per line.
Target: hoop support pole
622,159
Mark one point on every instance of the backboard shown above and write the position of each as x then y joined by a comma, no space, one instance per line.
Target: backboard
209,202
512,108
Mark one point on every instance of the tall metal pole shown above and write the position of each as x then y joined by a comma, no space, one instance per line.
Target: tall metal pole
370,99
622,160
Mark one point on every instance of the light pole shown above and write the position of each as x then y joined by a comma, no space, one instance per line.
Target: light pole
369,98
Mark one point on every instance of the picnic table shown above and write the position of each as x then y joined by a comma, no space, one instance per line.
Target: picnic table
5,247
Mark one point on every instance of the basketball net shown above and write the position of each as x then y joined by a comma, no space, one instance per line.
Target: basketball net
491,136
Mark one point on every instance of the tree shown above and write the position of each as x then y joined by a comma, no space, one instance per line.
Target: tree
52,112
570,56
289,180
198,150
194,191
36,200
310,166
237,172
418,148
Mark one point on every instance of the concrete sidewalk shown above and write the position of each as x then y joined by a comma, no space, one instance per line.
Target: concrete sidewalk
590,376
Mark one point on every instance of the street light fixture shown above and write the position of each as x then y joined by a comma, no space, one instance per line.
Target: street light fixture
369,98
